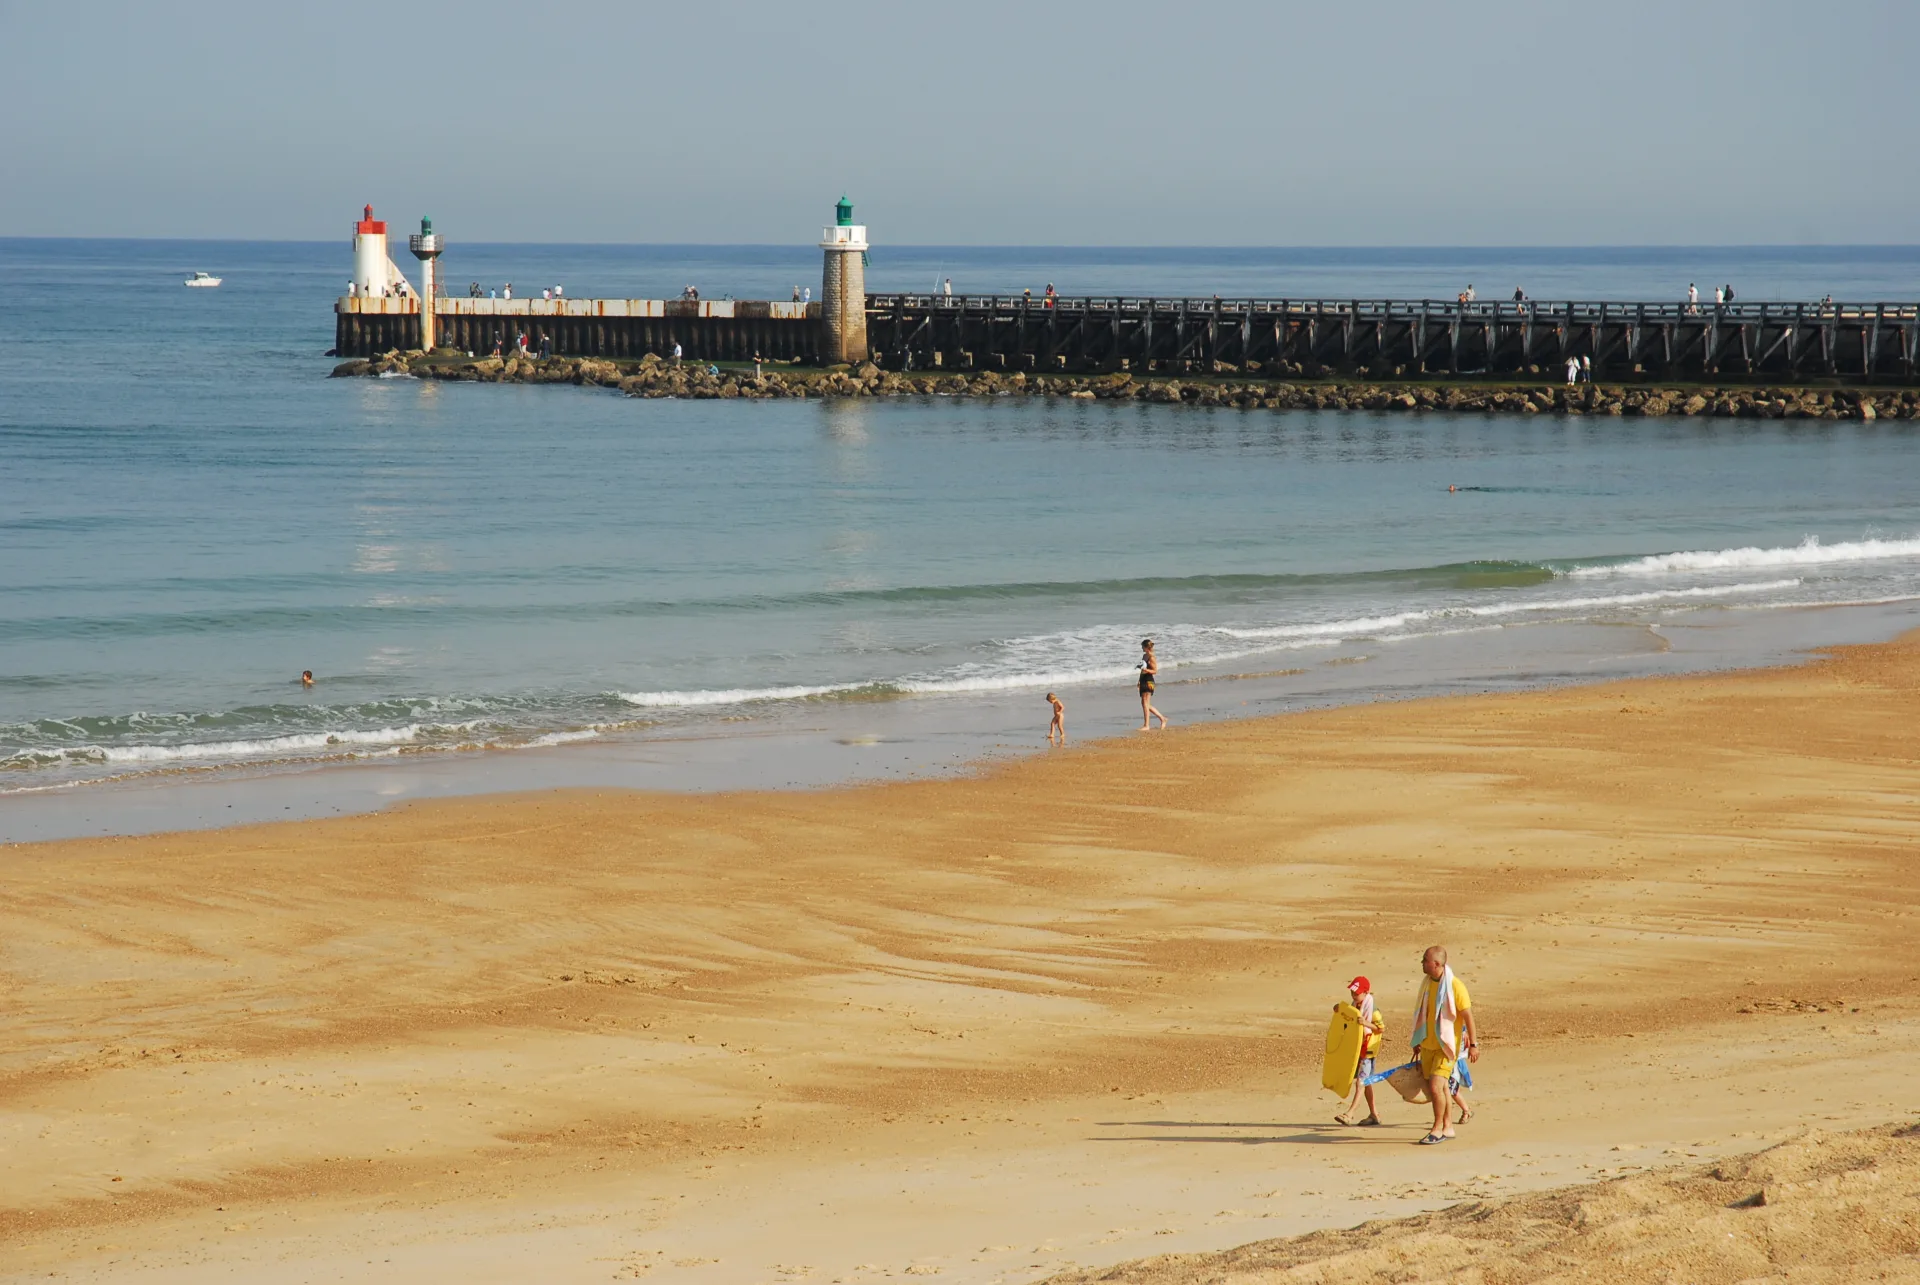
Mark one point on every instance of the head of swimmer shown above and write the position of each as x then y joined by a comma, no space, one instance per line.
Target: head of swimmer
1434,962
306,678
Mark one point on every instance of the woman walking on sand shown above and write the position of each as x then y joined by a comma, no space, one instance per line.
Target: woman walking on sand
1149,669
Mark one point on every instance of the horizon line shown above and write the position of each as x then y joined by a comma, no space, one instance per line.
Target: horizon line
1002,246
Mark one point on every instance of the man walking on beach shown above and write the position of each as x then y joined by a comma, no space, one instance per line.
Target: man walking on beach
1441,1015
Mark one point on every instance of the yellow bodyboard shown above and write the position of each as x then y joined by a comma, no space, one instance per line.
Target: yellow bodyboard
1345,1036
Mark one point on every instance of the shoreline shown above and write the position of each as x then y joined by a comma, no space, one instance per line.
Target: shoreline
812,745
651,377
1060,1013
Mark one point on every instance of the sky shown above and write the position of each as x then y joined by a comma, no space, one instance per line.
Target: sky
1267,123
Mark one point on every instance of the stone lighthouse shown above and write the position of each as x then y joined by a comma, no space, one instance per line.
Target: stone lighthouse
843,288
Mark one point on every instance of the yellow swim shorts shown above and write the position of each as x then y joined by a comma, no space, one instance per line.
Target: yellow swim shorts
1434,1061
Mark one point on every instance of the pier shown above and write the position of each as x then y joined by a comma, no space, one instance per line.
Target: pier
1875,342
1388,338
1102,334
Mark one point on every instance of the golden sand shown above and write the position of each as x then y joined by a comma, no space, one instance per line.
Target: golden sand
1068,1012
1840,1209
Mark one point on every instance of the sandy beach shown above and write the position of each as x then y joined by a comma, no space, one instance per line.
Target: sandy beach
1054,1017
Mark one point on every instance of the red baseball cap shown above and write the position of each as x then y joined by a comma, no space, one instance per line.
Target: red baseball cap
1360,984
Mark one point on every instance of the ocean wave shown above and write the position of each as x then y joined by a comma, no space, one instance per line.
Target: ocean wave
351,741
984,680
207,620
562,738
738,695
1372,625
265,747
1808,553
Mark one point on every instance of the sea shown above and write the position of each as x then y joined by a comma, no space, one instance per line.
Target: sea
502,587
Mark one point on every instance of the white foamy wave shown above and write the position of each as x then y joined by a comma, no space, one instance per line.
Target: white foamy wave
1374,626
983,680
1331,629
1626,599
265,747
733,695
1809,552
562,738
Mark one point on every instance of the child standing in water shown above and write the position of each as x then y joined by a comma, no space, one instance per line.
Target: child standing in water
1058,727
1149,670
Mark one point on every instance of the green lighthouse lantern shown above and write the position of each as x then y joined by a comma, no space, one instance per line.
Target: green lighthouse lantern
843,213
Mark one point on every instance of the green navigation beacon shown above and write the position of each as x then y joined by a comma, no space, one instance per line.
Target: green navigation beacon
843,213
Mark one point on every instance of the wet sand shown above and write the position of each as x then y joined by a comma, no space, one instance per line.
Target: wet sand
1067,1012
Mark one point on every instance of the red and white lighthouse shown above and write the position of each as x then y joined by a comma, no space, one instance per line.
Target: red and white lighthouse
371,267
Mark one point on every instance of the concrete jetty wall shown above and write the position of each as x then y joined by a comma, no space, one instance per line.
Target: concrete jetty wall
706,330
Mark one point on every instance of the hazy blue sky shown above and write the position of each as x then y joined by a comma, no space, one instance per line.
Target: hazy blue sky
1275,123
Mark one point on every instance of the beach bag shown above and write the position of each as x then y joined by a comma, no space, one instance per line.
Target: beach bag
1408,1082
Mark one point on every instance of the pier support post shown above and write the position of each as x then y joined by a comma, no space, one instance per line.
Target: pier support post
843,288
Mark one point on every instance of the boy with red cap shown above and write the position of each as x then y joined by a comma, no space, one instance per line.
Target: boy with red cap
1360,995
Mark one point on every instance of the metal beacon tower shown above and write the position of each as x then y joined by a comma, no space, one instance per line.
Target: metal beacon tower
426,247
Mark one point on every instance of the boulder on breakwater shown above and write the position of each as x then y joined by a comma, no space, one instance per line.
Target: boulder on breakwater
649,376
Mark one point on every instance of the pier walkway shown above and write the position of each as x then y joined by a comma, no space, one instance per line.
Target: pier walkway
1381,337
1871,342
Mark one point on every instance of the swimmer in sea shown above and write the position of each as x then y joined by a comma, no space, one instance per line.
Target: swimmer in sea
306,678
1058,727
1149,671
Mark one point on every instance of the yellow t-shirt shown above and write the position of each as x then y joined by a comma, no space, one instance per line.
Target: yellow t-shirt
1461,1003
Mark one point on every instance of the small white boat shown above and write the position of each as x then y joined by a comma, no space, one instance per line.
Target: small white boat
202,279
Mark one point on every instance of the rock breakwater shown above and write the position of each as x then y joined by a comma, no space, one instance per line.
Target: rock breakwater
652,377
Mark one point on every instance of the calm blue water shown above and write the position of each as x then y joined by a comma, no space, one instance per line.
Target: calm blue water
191,513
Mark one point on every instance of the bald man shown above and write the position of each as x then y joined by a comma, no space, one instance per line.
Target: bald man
1443,1028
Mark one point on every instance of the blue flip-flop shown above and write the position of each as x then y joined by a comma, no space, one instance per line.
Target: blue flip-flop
1431,1139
